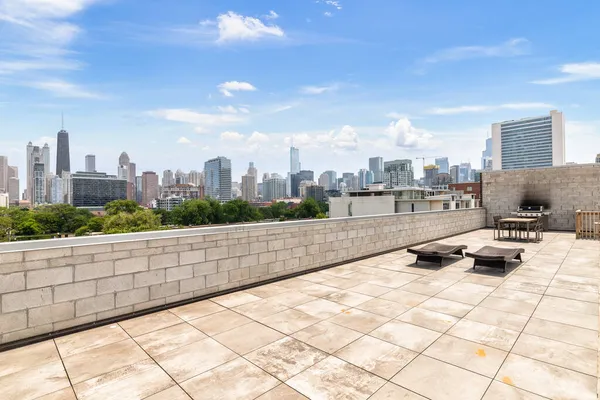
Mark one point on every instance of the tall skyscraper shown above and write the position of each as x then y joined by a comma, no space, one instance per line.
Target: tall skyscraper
254,172
124,159
195,178
94,189
442,162
274,188
56,190
149,187
131,174
46,158
465,173
90,163
529,142
138,189
294,168
13,189
36,183
398,173
249,187
297,178
376,166
431,173
63,160
3,174
217,178
168,178
332,180
454,174
362,178
324,180
486,155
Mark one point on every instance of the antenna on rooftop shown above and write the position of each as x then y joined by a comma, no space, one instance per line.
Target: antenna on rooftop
62,121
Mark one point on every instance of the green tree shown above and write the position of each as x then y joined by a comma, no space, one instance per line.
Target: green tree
265,212
192,212
48,220
165,215
139,221
321,216
240,211
119,206
216,211
278,209
5,227
324,207
29,227
308,209
95,224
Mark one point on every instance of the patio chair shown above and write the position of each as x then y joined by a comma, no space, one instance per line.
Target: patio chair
495,257
539,230
497,219
436,252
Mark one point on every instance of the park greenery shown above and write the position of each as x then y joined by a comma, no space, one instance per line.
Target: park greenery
124,216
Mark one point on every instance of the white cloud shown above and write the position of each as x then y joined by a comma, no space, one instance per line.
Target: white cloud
328,14
319,89
184,140
272,15
244,110
235,27
281,108
510,48
16,66
257,138
334,3
65,89
228,109
234,86
573,73
196,118
489,108
395,115
407,136
232,136
347,139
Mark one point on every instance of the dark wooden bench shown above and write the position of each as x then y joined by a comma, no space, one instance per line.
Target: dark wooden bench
495,257
436,252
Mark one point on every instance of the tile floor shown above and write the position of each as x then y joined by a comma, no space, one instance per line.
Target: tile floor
380,328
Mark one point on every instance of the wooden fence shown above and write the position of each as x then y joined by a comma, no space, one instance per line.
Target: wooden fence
587,224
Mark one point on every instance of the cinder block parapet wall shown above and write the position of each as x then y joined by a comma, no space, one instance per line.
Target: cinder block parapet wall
562,190
53,285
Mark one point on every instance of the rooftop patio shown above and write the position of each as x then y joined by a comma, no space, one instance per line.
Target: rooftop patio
381,328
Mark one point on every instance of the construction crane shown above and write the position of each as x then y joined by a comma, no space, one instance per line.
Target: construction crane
426,158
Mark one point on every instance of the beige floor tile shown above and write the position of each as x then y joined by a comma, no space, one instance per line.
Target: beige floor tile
327,336
376,356
282,392
389,391
289,321
167,339
497,318
522,297
529,279
501,391
524,287
333,378
33,382
582,307
572,294
438,380
247,338
238,379
358,320
348,298
405,298
172,393
535,271
393,280
319,290
286,357
546,380
420,270
148,323
99,361
563,333
406,335
337,272
449,307
322,308
90,339
195,358
469,293
315,277
135,381
428,319
509,306
220,322
489,335
235,299
483,280
294,283
475,357
576,283
293,298
428,285
63,394
370,289
566,317
340,283
28,357
260,309
266,291
196,310
562,354
385,308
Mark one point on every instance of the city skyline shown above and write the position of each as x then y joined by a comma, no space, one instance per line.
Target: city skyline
242,86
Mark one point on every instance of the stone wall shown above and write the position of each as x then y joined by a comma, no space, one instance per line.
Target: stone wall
58,284
561,190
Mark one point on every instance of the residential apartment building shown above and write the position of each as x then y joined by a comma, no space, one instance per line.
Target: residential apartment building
398,173
217,178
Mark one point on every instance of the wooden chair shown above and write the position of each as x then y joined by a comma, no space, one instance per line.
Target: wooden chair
497,219
539,230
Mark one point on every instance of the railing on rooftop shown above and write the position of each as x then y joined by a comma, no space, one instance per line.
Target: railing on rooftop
587,224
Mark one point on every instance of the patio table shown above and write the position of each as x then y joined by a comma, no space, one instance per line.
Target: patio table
517,222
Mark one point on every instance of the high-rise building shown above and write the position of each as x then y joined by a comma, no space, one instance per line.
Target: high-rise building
90,163
195,178
486,155
431,173
274,188
347,179
294,168
13,189
333,181
314,191
465,173
149,187
355,185
454,173
362,178
46,158
217,178
370,177
122,172
124,159
254,172
181,178
95,189
442,162
324,180
3,174
36,171
56,190
297,178
598,158
138,189
131,174
249,187
39,184
67,187
376,166
398,173
63,158
529,142
168,178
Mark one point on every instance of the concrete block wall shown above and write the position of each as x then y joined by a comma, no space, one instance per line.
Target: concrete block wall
51,285
562,190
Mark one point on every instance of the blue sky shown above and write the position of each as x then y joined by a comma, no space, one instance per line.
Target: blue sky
175,83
